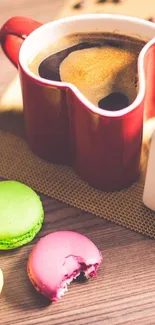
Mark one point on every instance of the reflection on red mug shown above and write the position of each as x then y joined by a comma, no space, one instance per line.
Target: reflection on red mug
62,125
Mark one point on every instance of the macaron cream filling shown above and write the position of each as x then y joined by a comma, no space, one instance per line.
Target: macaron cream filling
87,270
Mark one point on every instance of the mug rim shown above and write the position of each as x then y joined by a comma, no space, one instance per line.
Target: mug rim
61,85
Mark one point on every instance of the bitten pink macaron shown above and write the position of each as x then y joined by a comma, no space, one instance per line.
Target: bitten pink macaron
60,257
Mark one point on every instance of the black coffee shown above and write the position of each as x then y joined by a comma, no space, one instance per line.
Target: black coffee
103,66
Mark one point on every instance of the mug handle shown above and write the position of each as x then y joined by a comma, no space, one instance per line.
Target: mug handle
13,33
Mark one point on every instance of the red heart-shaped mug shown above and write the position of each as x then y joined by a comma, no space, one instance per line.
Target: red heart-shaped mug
62,125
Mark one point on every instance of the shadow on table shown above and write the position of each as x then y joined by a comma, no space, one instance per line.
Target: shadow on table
18,290
13,122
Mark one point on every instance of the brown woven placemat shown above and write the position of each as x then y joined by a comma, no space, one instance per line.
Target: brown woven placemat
125,207
19,163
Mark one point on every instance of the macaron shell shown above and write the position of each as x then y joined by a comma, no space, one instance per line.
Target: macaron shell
58,255
20,209
21,214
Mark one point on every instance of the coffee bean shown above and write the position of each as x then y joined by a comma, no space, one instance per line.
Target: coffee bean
116,1
152,19
101,1
79,5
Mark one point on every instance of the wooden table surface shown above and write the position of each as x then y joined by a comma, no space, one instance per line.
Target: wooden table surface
124,291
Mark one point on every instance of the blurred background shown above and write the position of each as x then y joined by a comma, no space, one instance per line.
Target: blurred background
42,11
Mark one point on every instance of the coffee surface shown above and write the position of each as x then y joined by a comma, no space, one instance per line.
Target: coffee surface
103,66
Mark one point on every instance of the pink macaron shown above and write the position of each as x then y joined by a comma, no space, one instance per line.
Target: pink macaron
60,257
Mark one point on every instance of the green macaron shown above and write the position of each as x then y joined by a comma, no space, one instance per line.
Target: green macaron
21,214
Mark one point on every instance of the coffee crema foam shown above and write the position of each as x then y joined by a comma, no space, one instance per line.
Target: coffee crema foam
103,66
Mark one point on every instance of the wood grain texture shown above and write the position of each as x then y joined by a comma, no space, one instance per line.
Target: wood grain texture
124,291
